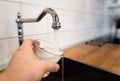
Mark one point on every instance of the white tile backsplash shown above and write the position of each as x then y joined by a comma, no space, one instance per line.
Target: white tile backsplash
56,3
30,11
88,21
35,2
7,48
70,21
13,0
81,20
97,6
80,5
38,36
8,12
70,4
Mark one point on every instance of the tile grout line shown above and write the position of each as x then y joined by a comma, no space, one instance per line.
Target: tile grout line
20,2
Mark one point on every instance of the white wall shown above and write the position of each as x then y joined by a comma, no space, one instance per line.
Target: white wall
81,20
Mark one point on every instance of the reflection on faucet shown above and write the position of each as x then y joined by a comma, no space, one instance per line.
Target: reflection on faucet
55,24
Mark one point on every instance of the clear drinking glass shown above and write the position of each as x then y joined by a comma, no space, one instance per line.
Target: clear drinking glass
47,51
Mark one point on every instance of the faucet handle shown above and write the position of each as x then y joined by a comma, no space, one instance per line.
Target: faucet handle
18,20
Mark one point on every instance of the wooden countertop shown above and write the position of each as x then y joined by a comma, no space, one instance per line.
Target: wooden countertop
106,57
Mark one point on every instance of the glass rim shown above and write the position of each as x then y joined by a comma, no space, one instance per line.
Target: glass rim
49,51
53,53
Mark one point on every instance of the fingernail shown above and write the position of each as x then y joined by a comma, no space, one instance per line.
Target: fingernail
57,67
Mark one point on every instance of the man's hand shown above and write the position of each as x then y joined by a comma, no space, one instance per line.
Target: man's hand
25,66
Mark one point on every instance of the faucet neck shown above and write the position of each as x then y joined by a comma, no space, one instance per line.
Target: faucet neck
20,29
55,24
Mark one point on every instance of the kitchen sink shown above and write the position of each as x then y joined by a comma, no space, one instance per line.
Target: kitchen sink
76,71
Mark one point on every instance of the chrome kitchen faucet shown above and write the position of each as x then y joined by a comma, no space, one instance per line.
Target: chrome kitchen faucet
55,24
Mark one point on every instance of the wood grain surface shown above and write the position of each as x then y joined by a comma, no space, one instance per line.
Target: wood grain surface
106,57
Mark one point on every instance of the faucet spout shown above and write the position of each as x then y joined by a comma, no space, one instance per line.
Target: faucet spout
55,25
